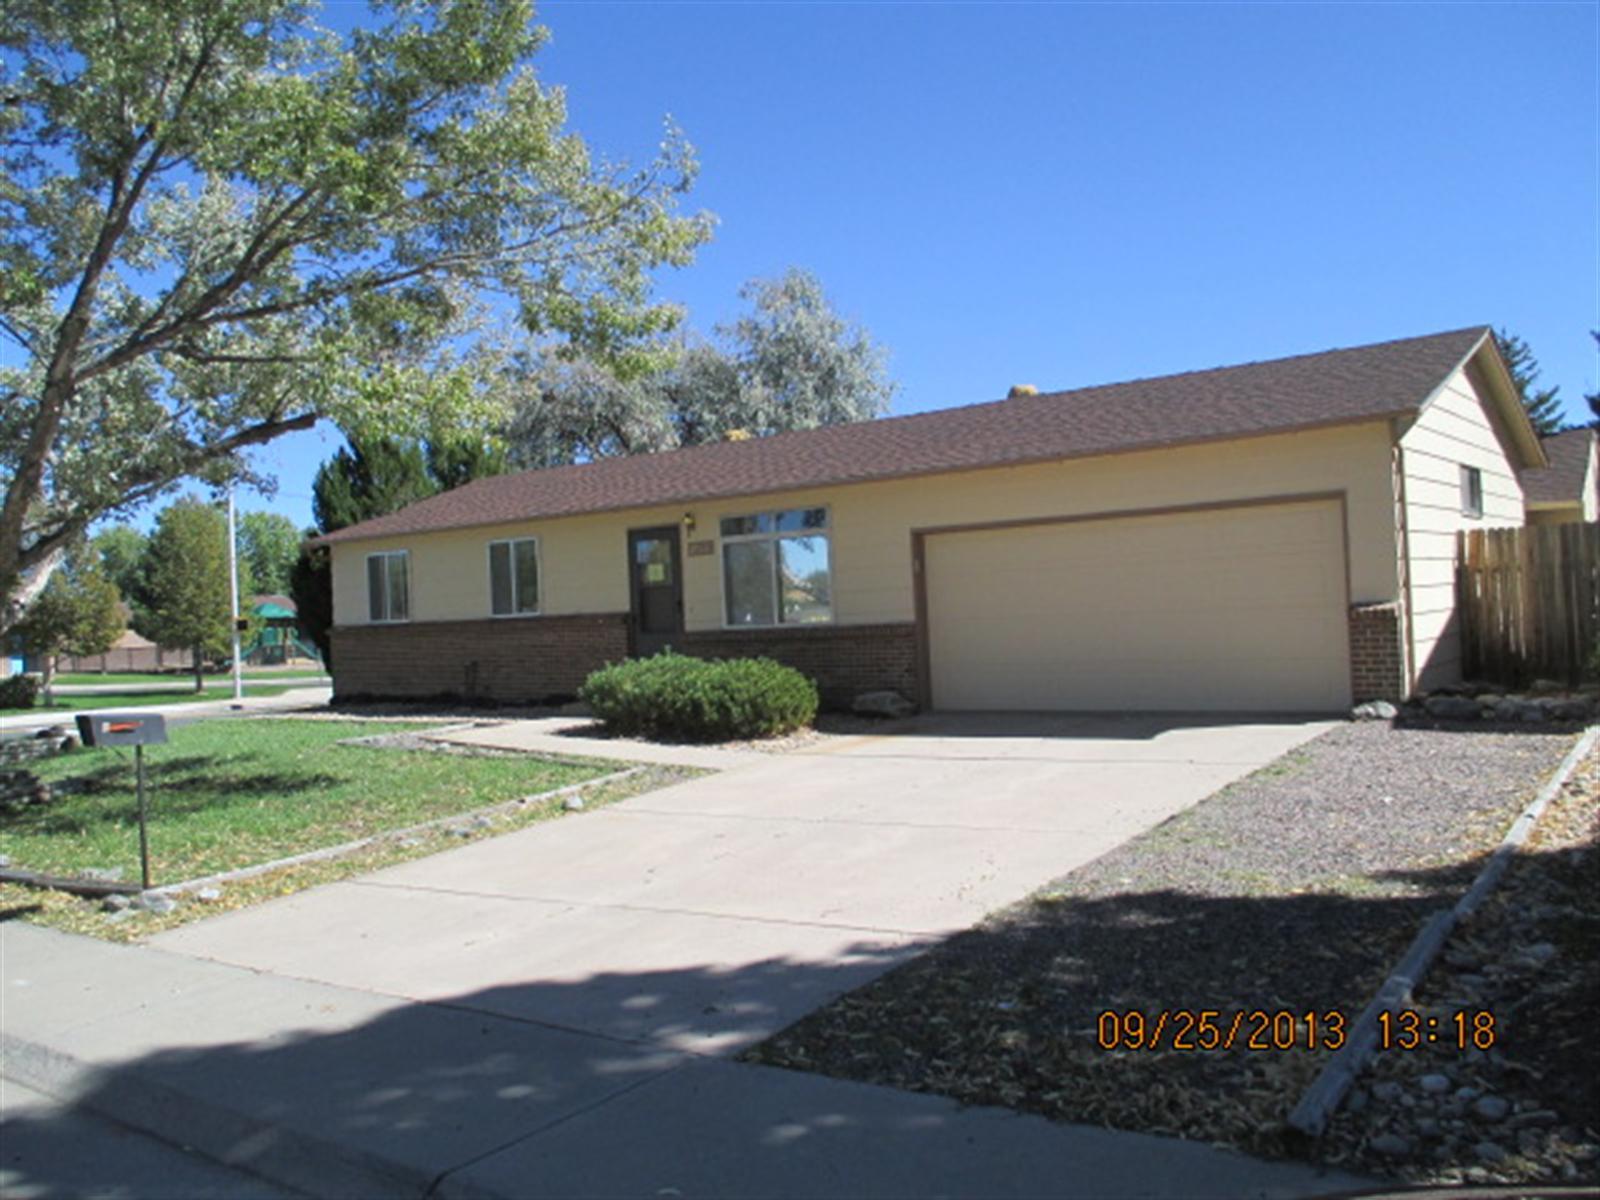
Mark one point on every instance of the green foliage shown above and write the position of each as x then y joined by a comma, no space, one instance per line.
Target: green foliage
1544,409
220,223
790,363
369,478
19,691
121,551
311,588
671,696
186,579
453,461
79,612
270,543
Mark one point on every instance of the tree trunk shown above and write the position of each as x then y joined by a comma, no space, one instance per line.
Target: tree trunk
49,680
14,604
199,671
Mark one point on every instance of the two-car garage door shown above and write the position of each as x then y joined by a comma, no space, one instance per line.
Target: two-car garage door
1239,608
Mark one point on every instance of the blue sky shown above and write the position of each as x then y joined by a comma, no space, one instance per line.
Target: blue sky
1075,194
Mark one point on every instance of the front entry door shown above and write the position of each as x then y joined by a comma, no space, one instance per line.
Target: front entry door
656,586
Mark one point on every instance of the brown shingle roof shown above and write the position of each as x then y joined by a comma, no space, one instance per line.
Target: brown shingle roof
1562,481
1330,388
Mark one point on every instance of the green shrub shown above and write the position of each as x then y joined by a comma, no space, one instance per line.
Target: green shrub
19,691
671,696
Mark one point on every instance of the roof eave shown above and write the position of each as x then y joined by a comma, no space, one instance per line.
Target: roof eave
1487,352
346,536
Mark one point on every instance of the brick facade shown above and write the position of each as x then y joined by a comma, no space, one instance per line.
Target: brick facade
845,660
538,658
526,659
1377,657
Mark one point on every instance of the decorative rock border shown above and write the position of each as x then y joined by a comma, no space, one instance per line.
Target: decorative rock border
1322,1098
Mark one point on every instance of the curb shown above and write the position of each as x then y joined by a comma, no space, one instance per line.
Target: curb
301,1161
1325,1093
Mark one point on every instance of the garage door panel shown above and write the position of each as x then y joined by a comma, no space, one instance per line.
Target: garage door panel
1233,609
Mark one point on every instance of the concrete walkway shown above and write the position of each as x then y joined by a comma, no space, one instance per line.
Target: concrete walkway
339,1092
551,1011
573,735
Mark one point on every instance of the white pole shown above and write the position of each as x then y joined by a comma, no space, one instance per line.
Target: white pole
233,590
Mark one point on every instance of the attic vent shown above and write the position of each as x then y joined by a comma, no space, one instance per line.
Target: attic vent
1021,389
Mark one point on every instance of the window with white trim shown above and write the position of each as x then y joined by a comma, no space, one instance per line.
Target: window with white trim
514,577
777,568
389,586
1471,492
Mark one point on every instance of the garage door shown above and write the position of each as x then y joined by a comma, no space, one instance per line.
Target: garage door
1228,609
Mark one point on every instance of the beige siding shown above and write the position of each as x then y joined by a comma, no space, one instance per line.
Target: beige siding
1591,485
583,558
1453,431
1239,609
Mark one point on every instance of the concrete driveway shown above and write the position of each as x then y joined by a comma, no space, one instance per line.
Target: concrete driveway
705,916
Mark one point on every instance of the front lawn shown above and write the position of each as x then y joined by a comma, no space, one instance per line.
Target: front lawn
232,793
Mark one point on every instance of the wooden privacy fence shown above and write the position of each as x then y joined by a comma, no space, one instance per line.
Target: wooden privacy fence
1528,602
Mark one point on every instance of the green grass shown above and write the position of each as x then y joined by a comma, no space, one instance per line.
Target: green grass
232,793
177,695
177,679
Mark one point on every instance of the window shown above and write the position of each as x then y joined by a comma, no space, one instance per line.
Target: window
775,568
514,577
1471,492
388,587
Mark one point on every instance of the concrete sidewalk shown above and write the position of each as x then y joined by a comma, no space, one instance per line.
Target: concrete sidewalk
342,1092
315,696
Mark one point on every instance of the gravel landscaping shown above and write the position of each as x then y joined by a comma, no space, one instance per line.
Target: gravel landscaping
1528,1109
1291,891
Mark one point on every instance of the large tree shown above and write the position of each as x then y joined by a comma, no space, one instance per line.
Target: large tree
79,612
791,362
1542,404
186,582
220,222
368,478
269,542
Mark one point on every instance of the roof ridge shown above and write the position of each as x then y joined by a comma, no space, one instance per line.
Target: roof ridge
1301,391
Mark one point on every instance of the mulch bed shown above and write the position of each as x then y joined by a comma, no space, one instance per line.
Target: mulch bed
1293,890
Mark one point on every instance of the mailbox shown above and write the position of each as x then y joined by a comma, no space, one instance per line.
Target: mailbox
122,729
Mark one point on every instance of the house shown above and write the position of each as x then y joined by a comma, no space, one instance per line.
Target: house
1275,536
1569,488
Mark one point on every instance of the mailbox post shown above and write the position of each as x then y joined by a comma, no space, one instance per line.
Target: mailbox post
129,729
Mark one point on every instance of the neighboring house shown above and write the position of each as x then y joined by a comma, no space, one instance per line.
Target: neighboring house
130,652
1276,536
1569,488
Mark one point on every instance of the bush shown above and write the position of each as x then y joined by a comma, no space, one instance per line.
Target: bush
19,691
671,696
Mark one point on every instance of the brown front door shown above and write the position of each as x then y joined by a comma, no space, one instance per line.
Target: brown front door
656,586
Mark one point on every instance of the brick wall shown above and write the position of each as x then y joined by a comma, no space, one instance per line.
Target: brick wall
1377,660
845,660
525,659
539,657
